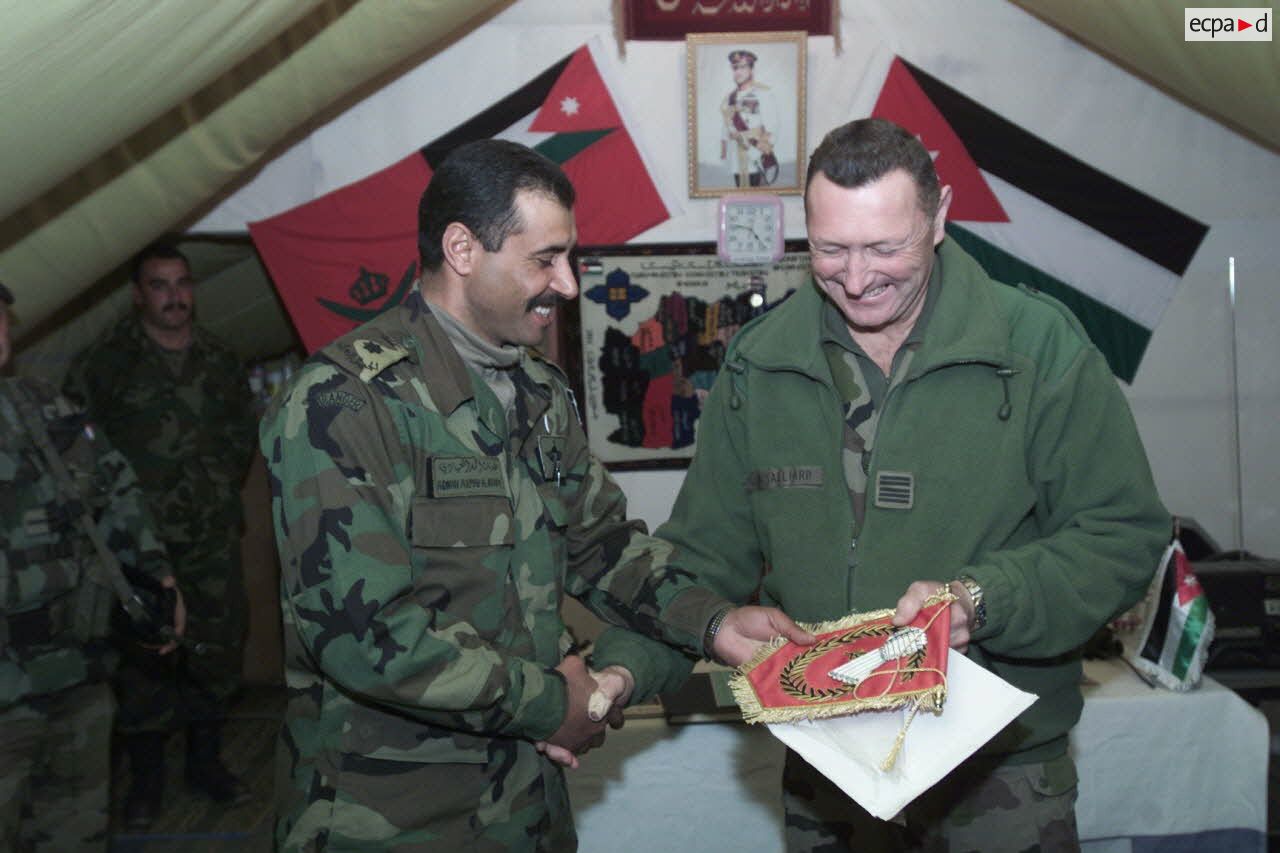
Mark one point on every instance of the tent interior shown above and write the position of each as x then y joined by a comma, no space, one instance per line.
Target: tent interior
127,120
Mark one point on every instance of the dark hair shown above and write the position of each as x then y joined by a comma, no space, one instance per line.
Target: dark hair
863,151
476,185
165,250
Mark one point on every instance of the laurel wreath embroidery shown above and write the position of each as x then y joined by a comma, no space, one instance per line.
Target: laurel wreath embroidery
795,684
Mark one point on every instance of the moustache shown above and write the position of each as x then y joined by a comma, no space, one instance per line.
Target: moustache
176,306
546,300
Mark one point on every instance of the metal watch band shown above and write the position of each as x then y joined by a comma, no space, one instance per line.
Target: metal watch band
709,635
979,602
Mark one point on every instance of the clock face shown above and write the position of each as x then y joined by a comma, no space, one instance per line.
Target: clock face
750,229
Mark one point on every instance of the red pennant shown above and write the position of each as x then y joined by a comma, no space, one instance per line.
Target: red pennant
794,682
903,102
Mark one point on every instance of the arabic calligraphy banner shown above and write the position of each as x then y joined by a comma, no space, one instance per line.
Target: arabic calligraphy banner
671,20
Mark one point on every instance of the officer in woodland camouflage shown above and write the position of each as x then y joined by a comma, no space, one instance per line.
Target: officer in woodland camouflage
56,706
176,402
434,499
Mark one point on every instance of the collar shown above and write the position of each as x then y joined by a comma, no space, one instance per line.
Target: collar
475,350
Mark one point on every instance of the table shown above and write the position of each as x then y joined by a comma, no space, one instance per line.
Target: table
1159,771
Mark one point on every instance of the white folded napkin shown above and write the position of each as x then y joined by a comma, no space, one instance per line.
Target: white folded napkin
849,750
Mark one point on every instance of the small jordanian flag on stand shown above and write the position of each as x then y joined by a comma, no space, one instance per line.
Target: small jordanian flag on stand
1175,637
1036,215
345,257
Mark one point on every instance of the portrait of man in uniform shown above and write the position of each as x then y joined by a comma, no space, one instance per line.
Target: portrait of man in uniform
746,112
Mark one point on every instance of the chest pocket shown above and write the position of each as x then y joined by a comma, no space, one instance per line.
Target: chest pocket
462,558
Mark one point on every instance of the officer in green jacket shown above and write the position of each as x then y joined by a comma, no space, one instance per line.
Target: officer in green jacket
434,500
58,475
176,402
907,422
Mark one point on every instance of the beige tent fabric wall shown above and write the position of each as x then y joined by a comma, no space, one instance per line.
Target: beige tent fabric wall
79,76
59,244
1236,83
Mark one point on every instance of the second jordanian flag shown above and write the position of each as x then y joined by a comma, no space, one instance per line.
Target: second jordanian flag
1036,215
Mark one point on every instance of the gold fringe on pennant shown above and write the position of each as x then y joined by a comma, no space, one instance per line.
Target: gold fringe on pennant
754,711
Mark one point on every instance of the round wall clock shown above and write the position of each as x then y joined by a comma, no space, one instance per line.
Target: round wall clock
750,229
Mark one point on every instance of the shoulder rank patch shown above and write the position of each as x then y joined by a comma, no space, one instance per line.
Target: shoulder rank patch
790,477
464,476
375,357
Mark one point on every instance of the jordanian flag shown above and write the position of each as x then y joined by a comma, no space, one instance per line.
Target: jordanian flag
341,259
1175,638
1036,215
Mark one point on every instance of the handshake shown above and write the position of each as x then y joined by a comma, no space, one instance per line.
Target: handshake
595,699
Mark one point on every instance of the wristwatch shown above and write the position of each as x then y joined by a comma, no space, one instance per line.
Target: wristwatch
979,605
709,635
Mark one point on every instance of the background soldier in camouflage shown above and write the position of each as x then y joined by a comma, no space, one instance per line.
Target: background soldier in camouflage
55,703
434,499
176,402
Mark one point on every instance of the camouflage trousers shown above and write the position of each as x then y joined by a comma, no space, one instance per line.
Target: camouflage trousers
516,801
981,806
55,771
162,692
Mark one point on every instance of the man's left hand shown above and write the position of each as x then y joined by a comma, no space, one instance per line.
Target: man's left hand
179,616
913,600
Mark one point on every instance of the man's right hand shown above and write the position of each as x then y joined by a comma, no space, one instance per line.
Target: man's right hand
746,629
578,733
614,685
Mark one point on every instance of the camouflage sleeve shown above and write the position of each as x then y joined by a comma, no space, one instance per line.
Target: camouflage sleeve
79,386
228,448
125,523
364,604
656,667
121,515
624,576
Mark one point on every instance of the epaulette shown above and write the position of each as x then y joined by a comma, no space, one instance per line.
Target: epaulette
541,360
366,357
1063,311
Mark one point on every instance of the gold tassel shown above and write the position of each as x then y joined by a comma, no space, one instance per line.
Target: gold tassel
892,757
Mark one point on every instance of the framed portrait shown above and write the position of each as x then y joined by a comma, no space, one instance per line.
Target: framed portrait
746,112
652,327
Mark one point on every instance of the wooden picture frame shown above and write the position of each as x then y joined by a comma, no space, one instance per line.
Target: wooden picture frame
645,340
738,85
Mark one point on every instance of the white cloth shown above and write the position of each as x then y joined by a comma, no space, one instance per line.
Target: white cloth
849,750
